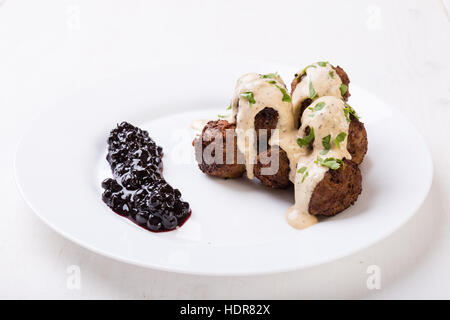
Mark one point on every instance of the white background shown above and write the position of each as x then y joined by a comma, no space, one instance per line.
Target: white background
399,50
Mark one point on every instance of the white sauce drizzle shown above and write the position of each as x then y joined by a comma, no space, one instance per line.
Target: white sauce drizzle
265,94
325,82
330,120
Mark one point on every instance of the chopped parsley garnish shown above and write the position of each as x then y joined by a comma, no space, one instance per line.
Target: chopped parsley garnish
306,140
339,138
326,142
229,107
249,96
348,110
331,74
286,96
270,75
317,107
343,89
331,163
322,63
310,66
304,171
222,116
304,70
312,92
304,176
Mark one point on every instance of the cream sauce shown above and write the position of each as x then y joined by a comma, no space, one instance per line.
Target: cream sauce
264,94
330,120
325,115
323,79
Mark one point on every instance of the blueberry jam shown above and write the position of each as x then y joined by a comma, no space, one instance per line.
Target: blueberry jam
138,190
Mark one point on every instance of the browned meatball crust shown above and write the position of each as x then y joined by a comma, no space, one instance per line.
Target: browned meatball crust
345,80
212,131
337,191
265,121
279,180
357,141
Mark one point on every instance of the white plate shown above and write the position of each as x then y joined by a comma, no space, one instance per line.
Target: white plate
237,226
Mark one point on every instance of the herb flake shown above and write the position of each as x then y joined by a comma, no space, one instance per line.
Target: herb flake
339,138
343,89
326,142
348,110
286,96
306,140
304,176
270,75
304,172
249,96
331,163
319,106
304,70
312,92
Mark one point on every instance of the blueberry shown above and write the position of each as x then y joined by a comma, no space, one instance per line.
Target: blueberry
119,204
185,207
154,223
111,184
106,196
141,218
154,201
169,221
130,182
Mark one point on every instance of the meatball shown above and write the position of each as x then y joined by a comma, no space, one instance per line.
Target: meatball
211,132
340,72
266,120
280,179
337,191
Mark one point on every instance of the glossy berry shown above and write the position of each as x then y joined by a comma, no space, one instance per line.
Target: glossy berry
138,190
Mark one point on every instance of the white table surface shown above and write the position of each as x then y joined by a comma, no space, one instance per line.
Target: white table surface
397,49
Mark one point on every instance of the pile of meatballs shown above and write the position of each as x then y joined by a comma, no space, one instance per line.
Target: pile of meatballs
339,188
